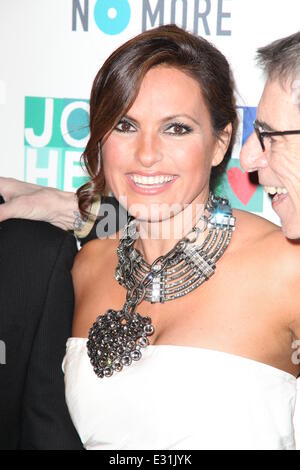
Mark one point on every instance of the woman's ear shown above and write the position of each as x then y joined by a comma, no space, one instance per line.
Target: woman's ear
222,145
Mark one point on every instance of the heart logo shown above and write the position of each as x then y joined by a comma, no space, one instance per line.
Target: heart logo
241,185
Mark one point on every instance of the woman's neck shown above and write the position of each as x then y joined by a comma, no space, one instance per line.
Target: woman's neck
158,238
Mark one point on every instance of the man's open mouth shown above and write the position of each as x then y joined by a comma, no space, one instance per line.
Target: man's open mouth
277,193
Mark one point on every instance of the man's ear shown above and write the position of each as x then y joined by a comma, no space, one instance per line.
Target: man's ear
222,145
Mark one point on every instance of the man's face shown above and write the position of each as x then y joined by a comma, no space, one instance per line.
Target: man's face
279,165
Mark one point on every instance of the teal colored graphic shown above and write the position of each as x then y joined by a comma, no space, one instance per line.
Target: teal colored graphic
56,132
112,16
78,123
237,186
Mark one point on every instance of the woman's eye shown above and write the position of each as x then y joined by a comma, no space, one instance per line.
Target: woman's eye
123,126
180,129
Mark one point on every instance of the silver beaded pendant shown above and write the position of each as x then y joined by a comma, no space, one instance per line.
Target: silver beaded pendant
116,339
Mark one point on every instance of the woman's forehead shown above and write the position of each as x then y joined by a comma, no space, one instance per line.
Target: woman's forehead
168,90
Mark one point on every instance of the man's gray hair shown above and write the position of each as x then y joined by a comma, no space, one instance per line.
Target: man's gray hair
281,59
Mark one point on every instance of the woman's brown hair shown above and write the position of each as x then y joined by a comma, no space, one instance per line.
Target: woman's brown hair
117,84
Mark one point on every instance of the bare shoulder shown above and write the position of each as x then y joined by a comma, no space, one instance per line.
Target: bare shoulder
87,260
272,261
255,231
272,254
251,228
90,261
89,274
256,228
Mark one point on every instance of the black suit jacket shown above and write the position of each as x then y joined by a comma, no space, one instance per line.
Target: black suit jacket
36,308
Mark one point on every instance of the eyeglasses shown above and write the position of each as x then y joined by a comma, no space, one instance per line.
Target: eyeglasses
262,134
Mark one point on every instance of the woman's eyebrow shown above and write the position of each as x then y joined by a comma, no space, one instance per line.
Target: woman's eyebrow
167,118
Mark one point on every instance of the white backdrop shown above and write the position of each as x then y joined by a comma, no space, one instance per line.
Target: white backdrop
52,49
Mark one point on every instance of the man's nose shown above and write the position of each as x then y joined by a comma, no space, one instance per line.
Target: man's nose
252,156
148,150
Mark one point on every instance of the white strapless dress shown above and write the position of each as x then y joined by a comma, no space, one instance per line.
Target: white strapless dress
179,397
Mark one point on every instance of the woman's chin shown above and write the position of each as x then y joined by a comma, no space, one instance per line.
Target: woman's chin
153,215
150,212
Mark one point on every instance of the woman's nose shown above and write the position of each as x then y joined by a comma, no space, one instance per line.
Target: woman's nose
148,150
252,157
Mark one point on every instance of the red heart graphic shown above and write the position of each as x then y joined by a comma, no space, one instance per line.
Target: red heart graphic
241,185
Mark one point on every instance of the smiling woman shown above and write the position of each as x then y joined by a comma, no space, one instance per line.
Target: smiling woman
167,153
200,104
206,362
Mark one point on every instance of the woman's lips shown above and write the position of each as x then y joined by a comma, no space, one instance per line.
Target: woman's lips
150,189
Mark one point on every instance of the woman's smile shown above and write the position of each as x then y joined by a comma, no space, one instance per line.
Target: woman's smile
149,185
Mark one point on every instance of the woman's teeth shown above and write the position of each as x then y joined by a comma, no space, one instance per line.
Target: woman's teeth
275,190
151,180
